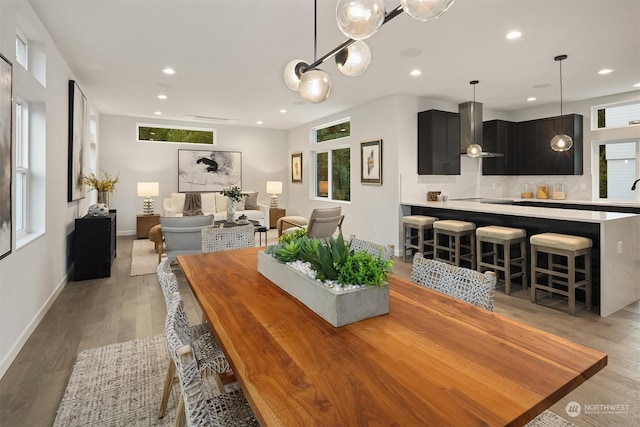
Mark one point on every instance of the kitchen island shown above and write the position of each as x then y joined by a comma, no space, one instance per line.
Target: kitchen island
616,239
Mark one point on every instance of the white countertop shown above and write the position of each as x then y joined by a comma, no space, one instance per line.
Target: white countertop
580,202
528,211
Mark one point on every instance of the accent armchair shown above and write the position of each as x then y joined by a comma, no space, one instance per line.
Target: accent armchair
183,235
322,223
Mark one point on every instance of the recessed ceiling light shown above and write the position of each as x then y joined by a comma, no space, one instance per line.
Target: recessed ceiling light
169,71
161,96
415,73
531,98
515,34
606,71
259,122
636,85
283,111
158,113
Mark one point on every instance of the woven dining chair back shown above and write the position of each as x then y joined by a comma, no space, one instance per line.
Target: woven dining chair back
228,238
203,405
169,285
458,282
373,248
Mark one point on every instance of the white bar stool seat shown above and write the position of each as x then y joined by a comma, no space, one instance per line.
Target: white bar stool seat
460,246
566,275
503,238
423,224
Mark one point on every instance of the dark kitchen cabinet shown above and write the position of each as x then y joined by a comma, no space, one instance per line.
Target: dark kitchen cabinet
530,152
94,246
499,136
438,143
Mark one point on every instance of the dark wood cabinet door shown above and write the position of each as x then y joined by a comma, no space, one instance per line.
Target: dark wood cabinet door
525,147
94,246
438,143
499,136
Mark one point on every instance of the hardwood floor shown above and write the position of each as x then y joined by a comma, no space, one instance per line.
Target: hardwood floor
98,312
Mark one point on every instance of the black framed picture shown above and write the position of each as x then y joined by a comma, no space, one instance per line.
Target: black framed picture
296,167
6,169
371,162
77,142
206,170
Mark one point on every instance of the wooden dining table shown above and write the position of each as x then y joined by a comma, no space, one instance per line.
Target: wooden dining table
431,361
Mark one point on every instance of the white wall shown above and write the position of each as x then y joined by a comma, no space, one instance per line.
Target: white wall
264,157
27,292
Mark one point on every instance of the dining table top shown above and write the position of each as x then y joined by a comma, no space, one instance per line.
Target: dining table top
431,361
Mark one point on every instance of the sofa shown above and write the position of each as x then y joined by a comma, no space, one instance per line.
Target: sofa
216,204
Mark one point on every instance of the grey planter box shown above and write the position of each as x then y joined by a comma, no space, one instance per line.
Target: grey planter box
338,307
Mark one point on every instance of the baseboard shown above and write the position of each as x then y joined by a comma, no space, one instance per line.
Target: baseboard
126,233
13,353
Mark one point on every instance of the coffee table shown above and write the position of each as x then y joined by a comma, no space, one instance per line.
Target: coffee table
261,229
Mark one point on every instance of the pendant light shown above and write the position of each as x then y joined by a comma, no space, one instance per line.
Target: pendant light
561,142
360,19
424,10
474,149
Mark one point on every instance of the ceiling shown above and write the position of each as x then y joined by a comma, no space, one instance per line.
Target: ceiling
229,55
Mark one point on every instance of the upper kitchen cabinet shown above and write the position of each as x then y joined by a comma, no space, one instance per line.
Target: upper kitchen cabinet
499,136
438,143
535,156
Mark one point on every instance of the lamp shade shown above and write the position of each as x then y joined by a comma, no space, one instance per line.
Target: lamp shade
354,60
148,189
274,187
360,19
315,86
291,76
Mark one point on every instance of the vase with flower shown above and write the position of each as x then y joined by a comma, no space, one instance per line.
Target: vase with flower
234,196
103,186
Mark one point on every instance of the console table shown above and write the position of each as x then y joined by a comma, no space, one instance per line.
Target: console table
94,246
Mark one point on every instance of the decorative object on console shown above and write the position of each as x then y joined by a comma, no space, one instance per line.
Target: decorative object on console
296,167
432,196
371,162
561,142
274,188
358,20
200,170
98,209
148,190
102,186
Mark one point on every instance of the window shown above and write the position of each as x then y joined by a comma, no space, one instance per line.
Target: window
22,168
617,169
178,134
615,115
332,163
21,50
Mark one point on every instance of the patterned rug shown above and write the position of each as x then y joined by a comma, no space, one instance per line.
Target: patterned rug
121,384
144,259
118,385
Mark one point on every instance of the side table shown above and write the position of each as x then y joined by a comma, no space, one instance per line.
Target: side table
144,223
274,215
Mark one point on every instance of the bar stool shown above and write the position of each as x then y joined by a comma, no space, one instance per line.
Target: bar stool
503,238
570,247
421,223
455,231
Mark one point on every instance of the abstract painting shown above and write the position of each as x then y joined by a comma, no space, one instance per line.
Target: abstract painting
201,170
77,142
371,162
6,171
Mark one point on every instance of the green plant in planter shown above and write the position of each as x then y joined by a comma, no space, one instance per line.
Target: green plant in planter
298,233
234,193
333,260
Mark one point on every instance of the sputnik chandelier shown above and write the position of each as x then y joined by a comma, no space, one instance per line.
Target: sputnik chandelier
358,20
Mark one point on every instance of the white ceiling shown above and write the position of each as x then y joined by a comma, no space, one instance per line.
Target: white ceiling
229,55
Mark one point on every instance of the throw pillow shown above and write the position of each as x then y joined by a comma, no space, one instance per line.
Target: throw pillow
251,201
240,206
221,203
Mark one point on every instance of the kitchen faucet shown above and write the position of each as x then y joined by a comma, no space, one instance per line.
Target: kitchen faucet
633,187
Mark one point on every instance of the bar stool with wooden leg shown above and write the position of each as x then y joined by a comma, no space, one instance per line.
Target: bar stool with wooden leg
423,224
565,275
460,245
502,240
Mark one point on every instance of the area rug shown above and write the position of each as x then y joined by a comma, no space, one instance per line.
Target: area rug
118,385
121,384
144,259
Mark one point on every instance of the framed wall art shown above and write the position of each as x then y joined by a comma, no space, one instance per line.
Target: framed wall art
6,170
371,162
296,167
77,142
205,170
